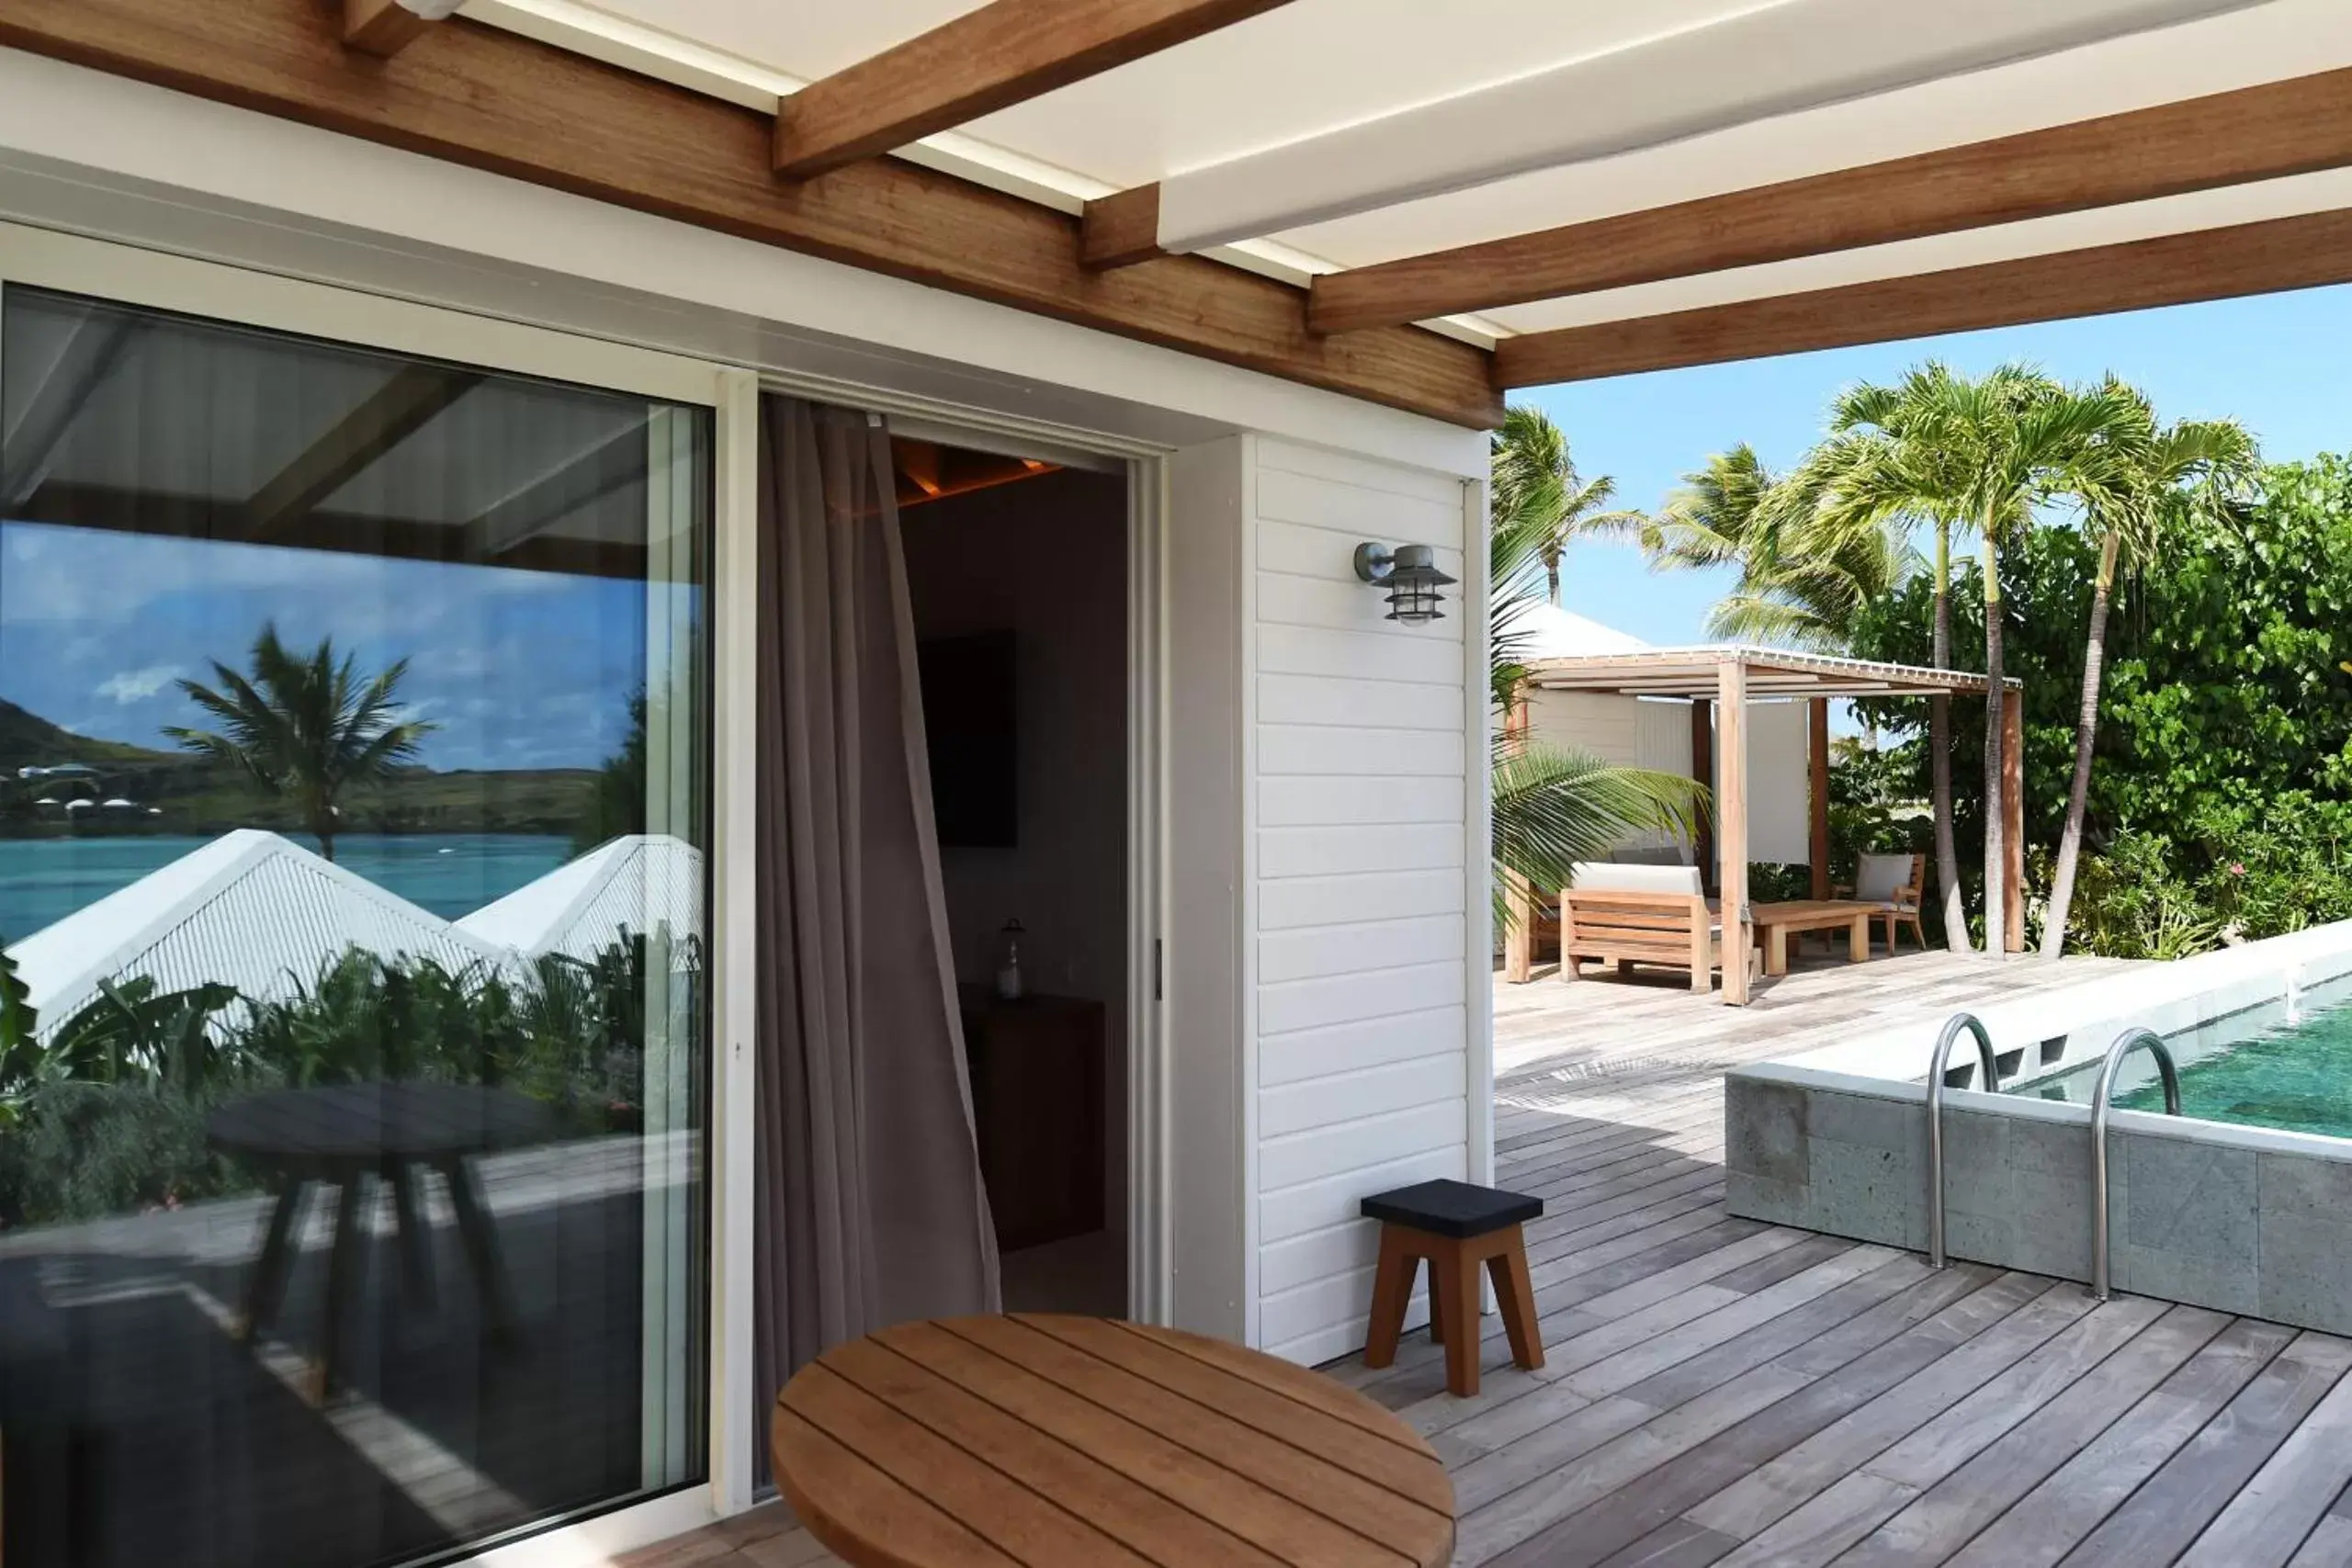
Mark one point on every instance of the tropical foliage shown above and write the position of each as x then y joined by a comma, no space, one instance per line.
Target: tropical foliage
1541,498
2220,800
122,1086
304,728
1552,806
1798,586
617,806
2148,481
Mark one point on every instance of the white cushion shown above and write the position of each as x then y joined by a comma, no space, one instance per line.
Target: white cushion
1883,878
1593,876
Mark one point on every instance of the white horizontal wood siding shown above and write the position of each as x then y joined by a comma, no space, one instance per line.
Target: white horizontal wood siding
1362,878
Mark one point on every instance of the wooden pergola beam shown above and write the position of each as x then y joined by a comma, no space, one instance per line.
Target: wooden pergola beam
1121,229
2256,133
1817,751
1004,54
2012,913
2304,251
408,400
381,28
1731,825
493,100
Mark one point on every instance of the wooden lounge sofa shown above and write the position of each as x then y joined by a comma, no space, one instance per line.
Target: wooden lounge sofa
1641,914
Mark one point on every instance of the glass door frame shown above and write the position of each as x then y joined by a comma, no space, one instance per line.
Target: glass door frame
135,275
32,257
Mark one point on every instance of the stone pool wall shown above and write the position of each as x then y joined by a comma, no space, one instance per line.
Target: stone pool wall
2240,1219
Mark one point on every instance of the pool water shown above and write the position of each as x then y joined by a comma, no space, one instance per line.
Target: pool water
2295,1077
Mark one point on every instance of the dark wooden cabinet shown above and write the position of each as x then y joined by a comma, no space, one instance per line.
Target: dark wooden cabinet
1037,1085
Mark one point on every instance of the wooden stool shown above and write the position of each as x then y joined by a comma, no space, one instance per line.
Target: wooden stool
1456,1226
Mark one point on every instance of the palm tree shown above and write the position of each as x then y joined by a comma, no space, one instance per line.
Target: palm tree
1536,486
303,728
1799,585
2156,479
617,804
1881,470
1552,806
1983,454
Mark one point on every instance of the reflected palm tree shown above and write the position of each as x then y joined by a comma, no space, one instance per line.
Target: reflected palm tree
304,728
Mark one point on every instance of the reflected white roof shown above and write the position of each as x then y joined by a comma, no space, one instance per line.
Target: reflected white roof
249,910
638,882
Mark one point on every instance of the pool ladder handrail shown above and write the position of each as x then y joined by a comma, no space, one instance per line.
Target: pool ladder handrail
2100,1097
1991,1071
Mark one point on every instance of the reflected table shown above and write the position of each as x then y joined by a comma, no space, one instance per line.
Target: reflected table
350,1135
1050,1440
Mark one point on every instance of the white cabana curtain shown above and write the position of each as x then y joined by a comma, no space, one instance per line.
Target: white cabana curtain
871,1208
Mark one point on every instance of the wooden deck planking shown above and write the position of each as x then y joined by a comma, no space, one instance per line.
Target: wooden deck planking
1720,1393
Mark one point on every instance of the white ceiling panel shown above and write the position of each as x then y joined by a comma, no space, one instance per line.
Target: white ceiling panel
1313,68
2269,42
1775,59
1298,70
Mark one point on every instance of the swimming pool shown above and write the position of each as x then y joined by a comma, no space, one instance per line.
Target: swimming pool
2284,1064
2242,1204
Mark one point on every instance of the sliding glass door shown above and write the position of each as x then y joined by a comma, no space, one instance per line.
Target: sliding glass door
353,806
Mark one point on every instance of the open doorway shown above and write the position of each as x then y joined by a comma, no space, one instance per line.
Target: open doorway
1017,568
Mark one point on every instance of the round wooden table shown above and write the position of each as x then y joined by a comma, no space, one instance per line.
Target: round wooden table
1036,1441
347,1136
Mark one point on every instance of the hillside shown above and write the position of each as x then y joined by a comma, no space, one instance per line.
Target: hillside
28,740
192,795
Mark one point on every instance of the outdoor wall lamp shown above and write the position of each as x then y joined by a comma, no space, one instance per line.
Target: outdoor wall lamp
1410,573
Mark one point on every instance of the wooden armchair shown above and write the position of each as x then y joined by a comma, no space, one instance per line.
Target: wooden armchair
1893,883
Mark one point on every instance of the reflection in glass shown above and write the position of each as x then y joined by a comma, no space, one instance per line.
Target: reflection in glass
352,809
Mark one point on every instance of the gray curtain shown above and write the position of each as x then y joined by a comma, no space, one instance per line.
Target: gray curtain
870,1209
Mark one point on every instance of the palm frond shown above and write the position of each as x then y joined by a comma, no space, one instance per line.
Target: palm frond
1556,807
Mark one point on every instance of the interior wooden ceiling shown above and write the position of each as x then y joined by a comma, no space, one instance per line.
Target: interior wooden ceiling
932,470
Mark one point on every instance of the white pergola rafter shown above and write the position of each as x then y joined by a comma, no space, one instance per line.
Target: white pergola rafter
1611,104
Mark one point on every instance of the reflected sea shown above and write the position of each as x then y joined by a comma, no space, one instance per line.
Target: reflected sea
44,880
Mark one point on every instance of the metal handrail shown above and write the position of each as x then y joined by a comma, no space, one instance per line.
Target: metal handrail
1991,1070
2123,1045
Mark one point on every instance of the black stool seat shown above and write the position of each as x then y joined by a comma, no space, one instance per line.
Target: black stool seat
1452,1208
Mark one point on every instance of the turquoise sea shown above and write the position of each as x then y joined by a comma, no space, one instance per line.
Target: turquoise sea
44,880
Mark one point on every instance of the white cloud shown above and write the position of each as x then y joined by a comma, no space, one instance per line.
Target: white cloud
127,686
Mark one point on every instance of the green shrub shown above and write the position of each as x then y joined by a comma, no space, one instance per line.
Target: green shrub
84,1151
104,1114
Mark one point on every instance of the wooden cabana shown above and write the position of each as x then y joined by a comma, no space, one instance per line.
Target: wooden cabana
1719,682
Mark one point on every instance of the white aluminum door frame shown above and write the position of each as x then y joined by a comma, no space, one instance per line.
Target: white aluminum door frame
1150,1259
129,275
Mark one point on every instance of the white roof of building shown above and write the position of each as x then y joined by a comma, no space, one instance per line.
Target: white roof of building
249,910
1551,632
640,881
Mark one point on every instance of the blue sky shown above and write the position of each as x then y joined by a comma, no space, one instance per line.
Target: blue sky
2276,363
518,669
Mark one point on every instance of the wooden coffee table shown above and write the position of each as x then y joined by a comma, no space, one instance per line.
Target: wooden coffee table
1047,1441
1775,922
